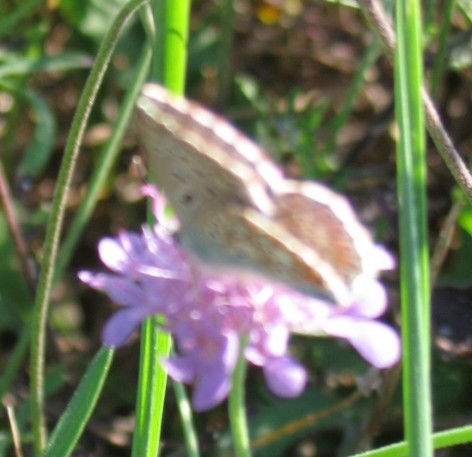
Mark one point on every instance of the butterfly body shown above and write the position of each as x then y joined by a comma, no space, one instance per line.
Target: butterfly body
239,214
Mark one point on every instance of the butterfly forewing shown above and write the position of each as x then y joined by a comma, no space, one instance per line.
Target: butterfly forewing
193,142
239,214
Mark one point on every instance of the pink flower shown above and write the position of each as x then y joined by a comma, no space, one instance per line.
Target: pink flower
208,314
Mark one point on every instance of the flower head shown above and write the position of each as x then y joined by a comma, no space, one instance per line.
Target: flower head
208,314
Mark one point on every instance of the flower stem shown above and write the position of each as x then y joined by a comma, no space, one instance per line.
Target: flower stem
237,411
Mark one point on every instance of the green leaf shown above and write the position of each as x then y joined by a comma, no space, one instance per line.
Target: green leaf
93,18
40,148
459,52
80,408
15,302
466,7
17,65
465,219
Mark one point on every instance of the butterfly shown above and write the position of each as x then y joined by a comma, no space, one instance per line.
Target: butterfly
237,211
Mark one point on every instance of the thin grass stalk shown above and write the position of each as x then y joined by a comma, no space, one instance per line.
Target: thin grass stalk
186,417
224,52
54,228
337,124
439,60
375,14
441,440
105,163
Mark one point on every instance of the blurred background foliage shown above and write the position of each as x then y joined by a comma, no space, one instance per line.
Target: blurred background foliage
308,81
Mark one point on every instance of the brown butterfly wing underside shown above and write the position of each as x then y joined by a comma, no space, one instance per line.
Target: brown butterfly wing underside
321,218
192,151
266,248
236,209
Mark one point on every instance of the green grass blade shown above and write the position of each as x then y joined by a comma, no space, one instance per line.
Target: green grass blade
17,65
441,440
414,266
168,67
439,60
39,150
151,390
15,361
339,121
225,44
186,417
236,406
75,417
21,10
170,63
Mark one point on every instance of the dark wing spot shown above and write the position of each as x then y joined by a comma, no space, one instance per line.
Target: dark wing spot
187,199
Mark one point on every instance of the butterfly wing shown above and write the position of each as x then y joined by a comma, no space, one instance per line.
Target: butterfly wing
325,222
255,243
236,210
200,160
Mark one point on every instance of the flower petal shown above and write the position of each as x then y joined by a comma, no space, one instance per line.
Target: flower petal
159,206
180,368
121,325
97,281
112,254
369,298
285,377
210,389
376,342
